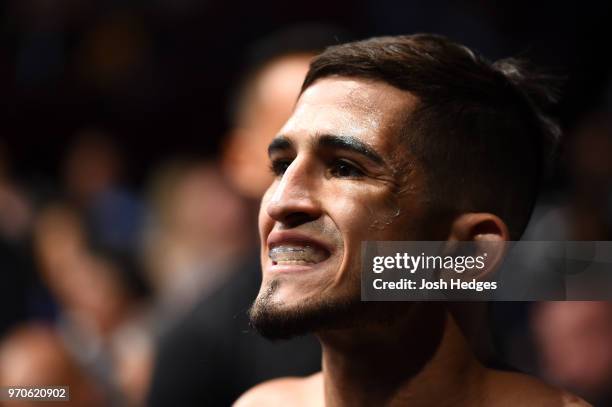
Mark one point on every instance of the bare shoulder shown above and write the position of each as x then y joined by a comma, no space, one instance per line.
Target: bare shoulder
509,388
295,391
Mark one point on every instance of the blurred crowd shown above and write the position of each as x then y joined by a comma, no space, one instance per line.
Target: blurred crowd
134,293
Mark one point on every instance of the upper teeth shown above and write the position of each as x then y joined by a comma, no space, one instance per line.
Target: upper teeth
296,253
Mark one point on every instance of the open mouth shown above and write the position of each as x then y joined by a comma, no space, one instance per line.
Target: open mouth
297,254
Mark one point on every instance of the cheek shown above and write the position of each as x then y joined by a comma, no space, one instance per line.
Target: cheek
384,215
362,212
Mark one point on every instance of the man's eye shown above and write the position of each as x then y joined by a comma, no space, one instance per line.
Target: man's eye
345,169
278,167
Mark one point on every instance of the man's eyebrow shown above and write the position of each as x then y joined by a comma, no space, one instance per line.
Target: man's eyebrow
279,143
350,143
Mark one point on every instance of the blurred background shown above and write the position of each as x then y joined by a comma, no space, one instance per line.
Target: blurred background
132,158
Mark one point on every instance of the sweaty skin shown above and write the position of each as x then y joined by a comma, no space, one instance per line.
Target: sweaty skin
342,177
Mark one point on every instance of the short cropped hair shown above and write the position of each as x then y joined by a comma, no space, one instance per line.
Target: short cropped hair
479,128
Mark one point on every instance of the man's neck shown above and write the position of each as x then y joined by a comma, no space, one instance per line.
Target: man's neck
420,359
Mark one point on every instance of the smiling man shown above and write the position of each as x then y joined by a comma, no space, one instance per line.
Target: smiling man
395,138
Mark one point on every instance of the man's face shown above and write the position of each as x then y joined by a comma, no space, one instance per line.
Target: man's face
341,178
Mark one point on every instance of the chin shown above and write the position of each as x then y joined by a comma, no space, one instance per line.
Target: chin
278,314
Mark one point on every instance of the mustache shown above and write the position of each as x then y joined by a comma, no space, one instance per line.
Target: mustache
313,228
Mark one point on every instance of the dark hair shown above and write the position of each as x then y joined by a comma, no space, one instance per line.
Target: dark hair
479,128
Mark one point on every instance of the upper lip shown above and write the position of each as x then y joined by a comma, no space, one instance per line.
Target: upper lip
281,237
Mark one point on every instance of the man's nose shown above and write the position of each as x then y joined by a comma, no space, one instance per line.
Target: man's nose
295,199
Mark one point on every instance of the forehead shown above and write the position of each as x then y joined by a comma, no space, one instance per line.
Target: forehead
370,110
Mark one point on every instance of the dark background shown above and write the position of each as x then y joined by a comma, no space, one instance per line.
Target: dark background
157,77
157,73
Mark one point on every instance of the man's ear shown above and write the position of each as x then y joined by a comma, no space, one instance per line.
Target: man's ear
488,234
477,227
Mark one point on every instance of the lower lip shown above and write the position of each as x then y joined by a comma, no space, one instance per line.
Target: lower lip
293,268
